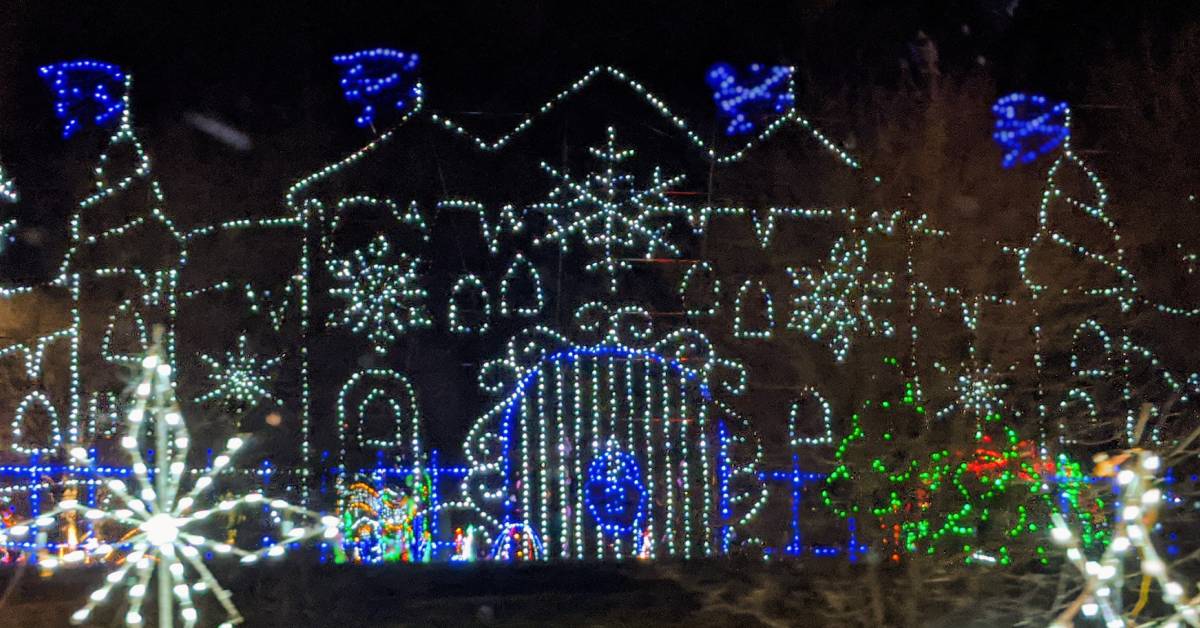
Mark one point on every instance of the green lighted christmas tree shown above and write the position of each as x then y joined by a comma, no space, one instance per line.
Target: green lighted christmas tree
917,488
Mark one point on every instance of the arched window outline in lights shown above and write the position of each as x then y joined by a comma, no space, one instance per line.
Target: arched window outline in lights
740,330
714,291
795,439
535,280
369,386
473,283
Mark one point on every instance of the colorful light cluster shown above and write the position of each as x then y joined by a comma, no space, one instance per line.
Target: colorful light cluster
379,78
1029,126
748,97
84,90
928,499
160,513
385,524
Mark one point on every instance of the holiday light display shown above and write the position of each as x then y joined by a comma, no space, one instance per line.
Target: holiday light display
744,100
527,279
929,498
1139,502
384,299
1028,126
308,212
642,410
378,78
86,89
386,525
242,378
164,520
609,212
582,426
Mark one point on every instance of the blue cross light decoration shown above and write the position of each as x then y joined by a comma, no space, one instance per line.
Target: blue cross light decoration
1028,126
747,98
85,90
614,492
379,78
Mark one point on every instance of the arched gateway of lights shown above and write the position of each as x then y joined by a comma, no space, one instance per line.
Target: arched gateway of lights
610,432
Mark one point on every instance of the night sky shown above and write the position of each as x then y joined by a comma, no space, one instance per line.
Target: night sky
266,71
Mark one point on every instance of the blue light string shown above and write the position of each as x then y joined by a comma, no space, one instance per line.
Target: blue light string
1029,126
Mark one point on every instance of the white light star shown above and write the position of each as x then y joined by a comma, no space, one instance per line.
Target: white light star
241,378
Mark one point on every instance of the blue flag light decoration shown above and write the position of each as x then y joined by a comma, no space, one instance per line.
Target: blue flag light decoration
747,98
83,90
379,78
1029,126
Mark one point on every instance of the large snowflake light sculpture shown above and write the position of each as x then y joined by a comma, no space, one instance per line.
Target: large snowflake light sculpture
613,216
241,378
165,527
384,299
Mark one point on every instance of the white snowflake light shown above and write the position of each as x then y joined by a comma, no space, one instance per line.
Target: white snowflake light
242,377
832,306
614,217
384,299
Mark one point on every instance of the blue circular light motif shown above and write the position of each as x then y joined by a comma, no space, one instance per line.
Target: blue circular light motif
1028,126
614,492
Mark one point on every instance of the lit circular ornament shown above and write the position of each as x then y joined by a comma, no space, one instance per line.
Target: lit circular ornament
614,491
1028,126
